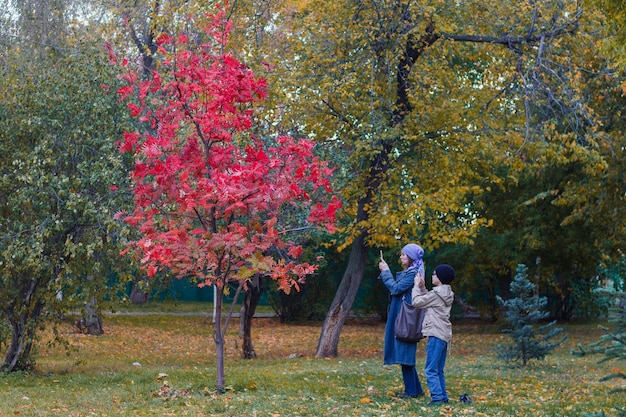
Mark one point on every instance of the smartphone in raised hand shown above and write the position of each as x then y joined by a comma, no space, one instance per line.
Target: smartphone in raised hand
381,255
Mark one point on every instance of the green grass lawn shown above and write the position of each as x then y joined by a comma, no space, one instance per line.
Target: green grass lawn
181,307
117,374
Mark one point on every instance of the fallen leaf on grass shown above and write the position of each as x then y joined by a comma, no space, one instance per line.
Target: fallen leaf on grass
446,411
170,393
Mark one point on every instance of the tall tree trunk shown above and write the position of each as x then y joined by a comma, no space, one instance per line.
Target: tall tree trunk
346,293
248,308
219,332
218,337
344,298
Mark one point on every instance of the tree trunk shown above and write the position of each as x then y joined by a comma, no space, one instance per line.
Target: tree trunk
344,298
92,322
218,337
138,294
219,332
23,334
248,308
17,348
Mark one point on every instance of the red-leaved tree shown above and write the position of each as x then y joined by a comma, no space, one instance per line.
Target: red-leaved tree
208,196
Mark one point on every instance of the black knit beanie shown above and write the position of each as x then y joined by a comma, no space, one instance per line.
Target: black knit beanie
445,273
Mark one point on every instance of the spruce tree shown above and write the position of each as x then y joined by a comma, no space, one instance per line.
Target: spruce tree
611,345
523,311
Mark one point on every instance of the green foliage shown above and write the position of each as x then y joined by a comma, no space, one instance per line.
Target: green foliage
373,296
5,333
545,217
316,293
614,38
61,181
611,345
615,274
588,302
523,311
311,302
471,103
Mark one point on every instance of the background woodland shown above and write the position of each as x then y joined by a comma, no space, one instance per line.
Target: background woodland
489,132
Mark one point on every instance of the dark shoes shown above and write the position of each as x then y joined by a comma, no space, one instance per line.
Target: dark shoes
406,396
438,402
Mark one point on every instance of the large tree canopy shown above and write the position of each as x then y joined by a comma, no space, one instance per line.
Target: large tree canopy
58,173
494,125
432,106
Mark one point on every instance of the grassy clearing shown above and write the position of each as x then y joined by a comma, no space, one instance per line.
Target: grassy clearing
117,374
181,307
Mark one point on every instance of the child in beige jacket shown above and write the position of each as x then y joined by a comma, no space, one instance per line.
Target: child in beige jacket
437,327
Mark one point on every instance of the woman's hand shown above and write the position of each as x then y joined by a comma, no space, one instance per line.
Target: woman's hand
382,265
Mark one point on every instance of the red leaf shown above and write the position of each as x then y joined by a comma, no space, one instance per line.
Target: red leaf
163,38
295,251
134,109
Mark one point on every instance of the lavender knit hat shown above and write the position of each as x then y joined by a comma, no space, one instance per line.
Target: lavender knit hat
416,253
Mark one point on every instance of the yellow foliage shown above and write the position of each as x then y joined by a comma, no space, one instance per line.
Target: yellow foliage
335,75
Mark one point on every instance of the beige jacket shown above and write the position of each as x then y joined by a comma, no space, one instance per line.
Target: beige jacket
437,303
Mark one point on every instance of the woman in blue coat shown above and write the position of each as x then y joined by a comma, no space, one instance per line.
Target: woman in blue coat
396,351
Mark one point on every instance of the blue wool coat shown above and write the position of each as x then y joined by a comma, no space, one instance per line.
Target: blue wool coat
395,351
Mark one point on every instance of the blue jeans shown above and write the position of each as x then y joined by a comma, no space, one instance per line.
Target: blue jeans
436,352
412,385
